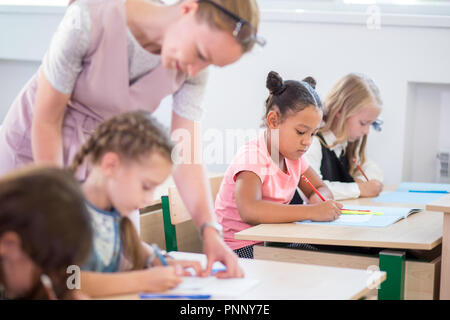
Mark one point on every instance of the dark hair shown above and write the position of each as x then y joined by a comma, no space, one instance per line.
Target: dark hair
47,210
290,95
131,135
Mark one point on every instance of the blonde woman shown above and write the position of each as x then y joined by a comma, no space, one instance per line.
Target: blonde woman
113,56
351,108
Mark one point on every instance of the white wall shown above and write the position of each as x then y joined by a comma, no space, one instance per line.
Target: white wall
393,56
325,47
427,131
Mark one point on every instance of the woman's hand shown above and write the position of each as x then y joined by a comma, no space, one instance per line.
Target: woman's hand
186,264
216,250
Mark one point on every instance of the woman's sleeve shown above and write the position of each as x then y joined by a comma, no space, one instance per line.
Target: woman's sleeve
62,62
187,101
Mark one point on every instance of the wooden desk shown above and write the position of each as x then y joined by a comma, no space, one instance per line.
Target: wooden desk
420,231
443,205
293,281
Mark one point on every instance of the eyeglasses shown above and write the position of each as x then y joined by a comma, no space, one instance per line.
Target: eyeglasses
243,31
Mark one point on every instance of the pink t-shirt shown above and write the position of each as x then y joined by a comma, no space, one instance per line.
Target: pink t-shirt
277,186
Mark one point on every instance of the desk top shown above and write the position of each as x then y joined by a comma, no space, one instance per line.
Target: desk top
441,204
420,231
293,281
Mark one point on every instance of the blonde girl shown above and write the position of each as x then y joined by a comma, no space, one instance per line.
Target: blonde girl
351,107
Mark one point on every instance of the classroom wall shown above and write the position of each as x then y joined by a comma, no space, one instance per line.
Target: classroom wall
401,53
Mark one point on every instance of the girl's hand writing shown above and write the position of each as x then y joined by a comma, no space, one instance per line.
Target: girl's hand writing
326,211
160,279
371,188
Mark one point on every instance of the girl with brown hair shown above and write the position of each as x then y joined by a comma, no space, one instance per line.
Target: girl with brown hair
44,230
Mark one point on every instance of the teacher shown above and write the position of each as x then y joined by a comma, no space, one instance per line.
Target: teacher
112,56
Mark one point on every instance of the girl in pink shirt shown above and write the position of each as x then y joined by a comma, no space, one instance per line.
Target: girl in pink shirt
262,179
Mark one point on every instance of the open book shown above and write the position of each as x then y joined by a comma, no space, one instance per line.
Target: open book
415,193
379,217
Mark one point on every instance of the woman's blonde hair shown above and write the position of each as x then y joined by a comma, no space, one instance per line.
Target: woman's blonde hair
347,97
132,135
245,9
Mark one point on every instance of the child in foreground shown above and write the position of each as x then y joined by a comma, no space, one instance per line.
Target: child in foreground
44,230
129,156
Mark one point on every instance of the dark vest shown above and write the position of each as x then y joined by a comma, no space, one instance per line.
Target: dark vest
296,199
332,167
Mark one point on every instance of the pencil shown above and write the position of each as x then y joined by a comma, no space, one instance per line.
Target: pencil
360,169
159,254
312,187
429,191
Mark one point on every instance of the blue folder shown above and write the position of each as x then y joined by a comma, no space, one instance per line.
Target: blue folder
415,193
424,187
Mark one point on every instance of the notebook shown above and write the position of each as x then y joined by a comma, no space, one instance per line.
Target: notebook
232,287
389,216
415,193
227,288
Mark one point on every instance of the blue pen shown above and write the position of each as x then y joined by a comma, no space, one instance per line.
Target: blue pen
218,269
429,191
174,296
159,254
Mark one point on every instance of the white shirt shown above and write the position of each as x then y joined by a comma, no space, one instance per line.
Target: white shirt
340,190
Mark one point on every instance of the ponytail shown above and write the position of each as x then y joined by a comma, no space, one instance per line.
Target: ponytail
133,248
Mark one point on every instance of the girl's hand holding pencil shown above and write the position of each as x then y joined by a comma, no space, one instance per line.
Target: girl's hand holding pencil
371,188
367,188
327,210
159,278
